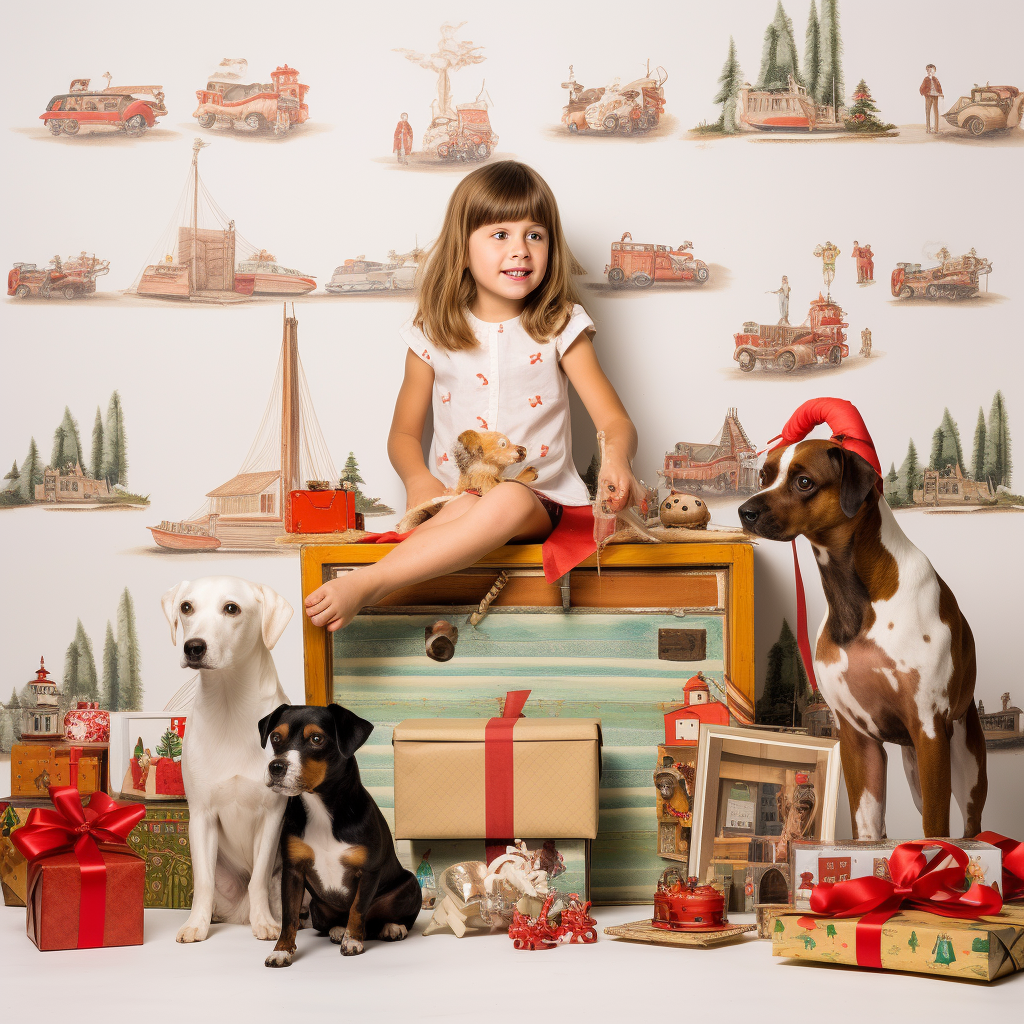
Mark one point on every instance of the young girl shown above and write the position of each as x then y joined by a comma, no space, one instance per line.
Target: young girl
496,340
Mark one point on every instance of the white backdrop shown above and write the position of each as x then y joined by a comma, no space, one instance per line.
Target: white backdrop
194,380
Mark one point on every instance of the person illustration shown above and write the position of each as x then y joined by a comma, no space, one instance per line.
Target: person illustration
865,343
828,253
403,139
783,293
865,263
931,90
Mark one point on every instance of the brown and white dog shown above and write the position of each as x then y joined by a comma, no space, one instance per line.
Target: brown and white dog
482,457
895,656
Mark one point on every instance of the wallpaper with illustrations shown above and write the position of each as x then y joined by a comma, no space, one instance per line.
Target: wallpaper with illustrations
772,201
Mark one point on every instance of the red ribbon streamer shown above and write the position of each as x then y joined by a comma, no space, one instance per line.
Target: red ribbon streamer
73,755
70,826
499,767
803,641
1013,863
917,882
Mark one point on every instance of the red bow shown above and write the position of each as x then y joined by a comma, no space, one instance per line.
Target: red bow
1013,863
933,886
70,826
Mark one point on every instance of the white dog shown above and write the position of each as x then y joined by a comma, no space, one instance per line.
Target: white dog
229,626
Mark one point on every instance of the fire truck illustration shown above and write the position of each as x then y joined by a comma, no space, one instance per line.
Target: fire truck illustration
952,279
821,338
228,101
69,279
640,264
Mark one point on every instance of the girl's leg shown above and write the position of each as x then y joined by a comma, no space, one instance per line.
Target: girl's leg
508,512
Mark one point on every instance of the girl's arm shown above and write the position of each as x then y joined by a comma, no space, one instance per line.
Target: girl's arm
616,485
405,441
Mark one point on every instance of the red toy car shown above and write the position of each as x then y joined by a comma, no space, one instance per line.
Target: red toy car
113,108
820,339
640,264
70,278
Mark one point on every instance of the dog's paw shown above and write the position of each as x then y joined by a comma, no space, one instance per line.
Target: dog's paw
280,958
392,932
193,931
337,933
528,475
265,927
350,946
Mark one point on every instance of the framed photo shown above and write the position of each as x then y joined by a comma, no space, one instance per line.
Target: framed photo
755,790
145,755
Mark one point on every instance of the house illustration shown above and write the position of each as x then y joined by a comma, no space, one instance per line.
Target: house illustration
682,725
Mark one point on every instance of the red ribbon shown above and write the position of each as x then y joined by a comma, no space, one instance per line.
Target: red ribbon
934,886
499,767
803,641
73,755
70,826
1013,863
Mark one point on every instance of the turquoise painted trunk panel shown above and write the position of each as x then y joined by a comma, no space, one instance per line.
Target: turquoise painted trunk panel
578,665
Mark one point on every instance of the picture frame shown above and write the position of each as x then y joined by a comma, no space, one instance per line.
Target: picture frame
733,762
153,774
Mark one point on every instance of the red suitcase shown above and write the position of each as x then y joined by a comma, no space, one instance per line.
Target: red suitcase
322,512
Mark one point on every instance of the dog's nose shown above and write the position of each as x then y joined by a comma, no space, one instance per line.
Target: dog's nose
277,769
195,649
748,513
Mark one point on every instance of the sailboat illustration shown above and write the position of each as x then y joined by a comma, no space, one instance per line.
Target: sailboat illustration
198,263
248,510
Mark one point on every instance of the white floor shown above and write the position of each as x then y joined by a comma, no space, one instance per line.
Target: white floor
442,978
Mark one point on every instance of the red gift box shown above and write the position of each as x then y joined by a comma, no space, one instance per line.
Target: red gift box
168,778
321,512
84,887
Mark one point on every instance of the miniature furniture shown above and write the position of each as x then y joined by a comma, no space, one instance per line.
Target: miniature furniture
616,645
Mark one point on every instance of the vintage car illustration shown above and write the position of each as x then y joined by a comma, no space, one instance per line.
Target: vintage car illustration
467,136
952,279
116,107
70,279
640,264
628,109
820,339
989,108
363,275
228,101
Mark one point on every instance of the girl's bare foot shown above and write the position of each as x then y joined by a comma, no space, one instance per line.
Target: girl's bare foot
337,602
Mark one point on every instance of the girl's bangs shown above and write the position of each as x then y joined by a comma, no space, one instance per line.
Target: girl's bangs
512,197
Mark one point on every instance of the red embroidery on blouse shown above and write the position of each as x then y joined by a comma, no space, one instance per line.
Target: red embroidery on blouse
446,398
535,401
426,355
484,379
501,328
543,450
535,358
442,459
483,422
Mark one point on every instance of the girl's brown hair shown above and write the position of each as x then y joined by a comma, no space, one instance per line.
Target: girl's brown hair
502,191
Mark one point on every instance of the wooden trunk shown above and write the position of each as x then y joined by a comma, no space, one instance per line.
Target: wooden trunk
588,646
36,766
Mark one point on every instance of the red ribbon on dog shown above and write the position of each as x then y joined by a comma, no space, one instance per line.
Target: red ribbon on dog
1013,863
70,826
917,882
499,767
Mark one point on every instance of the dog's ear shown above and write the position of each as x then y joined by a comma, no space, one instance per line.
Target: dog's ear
353,731
470,440
856,478
268,724
275,613
169,602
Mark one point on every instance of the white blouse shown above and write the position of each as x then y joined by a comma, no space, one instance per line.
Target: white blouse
512,384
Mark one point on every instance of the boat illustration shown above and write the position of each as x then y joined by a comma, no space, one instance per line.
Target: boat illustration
247,511
789,110
363,275
199,262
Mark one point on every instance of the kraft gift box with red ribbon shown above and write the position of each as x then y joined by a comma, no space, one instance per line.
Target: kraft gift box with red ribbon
497,778
923,918
84,886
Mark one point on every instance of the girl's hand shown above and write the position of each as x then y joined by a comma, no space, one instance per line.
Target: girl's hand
423,488
617,488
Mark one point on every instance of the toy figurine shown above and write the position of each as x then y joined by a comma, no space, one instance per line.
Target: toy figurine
573,925
687,906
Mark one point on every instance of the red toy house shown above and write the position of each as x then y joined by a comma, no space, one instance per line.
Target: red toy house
682,725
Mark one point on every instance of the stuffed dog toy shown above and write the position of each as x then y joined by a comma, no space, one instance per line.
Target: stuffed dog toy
895,656
335,843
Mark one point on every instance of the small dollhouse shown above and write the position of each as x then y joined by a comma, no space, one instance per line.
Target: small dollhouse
682,725
42,720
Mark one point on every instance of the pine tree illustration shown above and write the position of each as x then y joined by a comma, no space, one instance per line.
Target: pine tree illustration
785,692
910,470
115,445
729,82
978,455
830,78
111,698
169,745
812,50
87,682
31,472
71,660
778,54
96,462
350,480
861,116
128,659
998,463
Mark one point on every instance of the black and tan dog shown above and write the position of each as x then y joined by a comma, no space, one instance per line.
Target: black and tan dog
335,842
